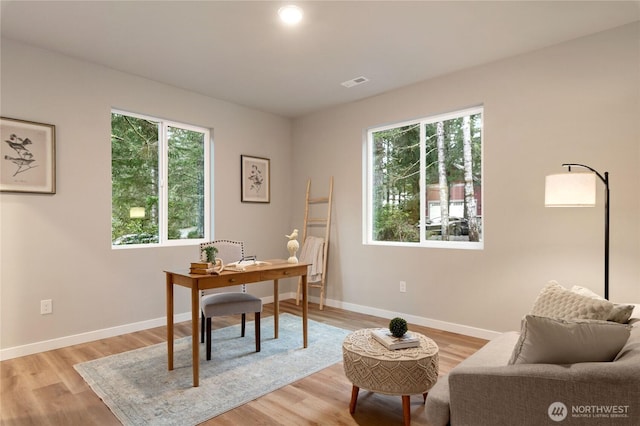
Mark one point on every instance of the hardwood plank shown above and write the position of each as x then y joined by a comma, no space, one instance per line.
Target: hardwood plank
45,389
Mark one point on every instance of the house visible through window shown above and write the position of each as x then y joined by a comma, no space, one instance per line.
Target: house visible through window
424,182
159,181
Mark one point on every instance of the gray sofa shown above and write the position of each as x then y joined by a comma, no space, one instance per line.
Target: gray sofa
485,390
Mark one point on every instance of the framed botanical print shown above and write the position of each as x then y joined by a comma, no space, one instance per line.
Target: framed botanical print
28,156
255,179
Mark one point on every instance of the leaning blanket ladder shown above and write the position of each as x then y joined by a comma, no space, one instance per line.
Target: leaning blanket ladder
323,222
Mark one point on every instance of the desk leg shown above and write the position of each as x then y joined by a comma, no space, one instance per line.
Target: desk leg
195,341
305,310
276,308
170,321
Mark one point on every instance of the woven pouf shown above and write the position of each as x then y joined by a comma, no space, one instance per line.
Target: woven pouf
369,365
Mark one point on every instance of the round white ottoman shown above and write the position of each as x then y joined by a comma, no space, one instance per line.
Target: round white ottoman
370,365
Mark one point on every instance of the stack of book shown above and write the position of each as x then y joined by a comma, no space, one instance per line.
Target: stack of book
203,268
384,337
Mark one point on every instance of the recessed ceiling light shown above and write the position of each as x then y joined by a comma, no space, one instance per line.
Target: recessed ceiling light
290,14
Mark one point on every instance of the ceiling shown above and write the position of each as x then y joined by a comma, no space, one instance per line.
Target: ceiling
239,52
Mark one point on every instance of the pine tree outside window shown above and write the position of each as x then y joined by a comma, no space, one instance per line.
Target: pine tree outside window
159,181
424,182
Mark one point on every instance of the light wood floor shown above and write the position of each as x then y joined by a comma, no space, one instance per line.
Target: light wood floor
44,388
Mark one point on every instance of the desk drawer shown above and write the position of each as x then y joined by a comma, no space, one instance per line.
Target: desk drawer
284,273
241,278
228,280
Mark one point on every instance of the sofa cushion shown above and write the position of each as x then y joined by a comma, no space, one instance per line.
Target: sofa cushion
556,301
558,341
620,312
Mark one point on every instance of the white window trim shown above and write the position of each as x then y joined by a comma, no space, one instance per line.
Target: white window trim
367,218
163,190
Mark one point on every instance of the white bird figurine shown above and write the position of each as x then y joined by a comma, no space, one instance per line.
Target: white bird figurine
293,236
293,246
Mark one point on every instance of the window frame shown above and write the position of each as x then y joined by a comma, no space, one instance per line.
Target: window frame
163,187
368,185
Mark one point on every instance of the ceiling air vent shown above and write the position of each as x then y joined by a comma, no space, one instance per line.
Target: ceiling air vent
354,81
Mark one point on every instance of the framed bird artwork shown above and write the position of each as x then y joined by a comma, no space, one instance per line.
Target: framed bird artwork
27,157
255,176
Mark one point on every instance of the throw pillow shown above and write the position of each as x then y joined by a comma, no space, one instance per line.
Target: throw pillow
558,341
620,312
556,301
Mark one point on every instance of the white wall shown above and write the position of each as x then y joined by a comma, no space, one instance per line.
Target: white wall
575,102
59,246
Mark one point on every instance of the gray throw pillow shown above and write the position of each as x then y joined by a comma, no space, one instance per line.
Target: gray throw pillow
558,341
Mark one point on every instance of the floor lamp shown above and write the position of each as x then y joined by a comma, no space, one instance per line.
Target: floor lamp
579,190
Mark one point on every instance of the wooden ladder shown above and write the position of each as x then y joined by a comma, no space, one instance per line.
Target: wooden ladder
322,222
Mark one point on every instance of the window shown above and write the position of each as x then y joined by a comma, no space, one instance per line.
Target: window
424,182
159,181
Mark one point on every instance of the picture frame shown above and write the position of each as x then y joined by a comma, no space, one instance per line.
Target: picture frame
27,156
255,177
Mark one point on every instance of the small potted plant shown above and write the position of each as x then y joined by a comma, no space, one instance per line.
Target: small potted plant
210,253
398,327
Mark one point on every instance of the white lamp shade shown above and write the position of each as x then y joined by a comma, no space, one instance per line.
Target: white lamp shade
570,190
136,212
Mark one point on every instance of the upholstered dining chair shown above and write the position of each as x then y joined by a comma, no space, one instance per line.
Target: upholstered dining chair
214,303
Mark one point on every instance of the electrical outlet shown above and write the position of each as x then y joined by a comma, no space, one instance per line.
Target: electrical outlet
46,307
403,286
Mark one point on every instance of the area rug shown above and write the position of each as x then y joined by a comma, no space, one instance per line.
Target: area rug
139,390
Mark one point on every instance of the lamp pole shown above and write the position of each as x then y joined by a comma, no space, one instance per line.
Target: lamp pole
605,180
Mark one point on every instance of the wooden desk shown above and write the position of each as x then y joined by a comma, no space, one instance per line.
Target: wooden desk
274,270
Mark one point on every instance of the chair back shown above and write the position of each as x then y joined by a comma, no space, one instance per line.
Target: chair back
229,251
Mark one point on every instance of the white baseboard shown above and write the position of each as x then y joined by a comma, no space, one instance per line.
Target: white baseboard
413,319
90,336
